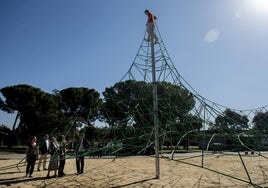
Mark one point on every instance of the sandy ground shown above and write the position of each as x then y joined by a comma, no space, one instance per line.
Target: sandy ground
218,170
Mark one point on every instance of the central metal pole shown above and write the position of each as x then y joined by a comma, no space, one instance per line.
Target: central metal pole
155,112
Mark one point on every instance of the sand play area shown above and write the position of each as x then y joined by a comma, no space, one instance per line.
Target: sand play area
185,170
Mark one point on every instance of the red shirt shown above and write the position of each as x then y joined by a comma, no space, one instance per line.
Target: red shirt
151,17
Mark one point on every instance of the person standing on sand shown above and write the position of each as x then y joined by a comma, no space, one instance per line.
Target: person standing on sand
62,153
31,156
43,152
54,157
80,147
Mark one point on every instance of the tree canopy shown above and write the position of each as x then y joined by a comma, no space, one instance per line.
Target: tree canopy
130,103
260,121
231,120
127,107
40,112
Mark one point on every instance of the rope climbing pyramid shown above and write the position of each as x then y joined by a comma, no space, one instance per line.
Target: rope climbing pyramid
215,130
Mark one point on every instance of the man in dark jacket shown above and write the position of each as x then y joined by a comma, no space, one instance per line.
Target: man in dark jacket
43,152
80,146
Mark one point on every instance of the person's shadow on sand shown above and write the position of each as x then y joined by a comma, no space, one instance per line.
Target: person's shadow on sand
15,180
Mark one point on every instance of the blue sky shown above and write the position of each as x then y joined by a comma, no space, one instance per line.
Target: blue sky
219,47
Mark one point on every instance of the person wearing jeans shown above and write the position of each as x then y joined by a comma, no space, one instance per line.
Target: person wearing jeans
150,27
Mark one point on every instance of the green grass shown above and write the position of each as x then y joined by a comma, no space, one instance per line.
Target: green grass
6,152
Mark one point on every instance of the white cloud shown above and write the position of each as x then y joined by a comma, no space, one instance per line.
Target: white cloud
212,35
